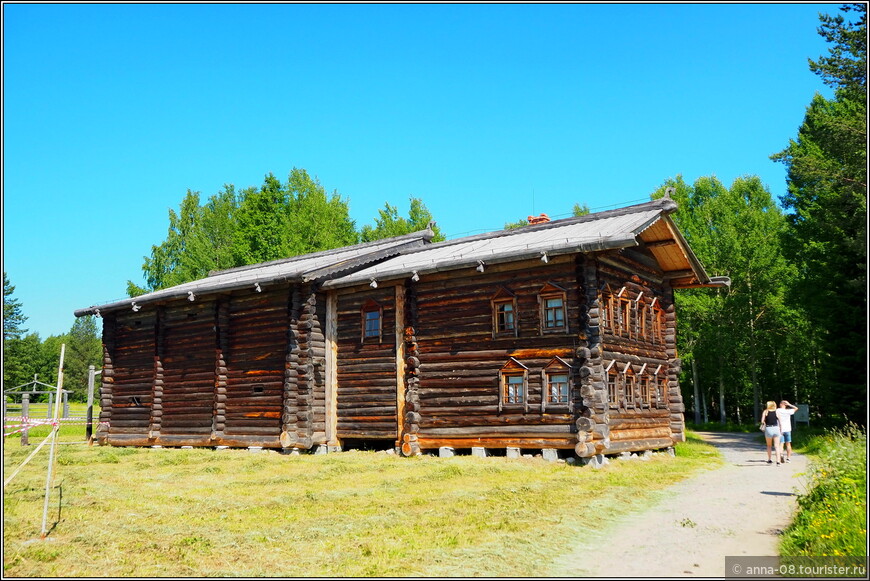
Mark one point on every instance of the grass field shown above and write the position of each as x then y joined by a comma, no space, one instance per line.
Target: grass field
120,512
832,520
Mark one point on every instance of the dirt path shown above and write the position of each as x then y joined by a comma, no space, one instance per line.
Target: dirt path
736,510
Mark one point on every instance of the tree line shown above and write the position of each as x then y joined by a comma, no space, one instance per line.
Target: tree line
792,325
231,228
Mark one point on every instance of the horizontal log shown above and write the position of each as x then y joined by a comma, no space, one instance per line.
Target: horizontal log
129,430
640,433
166,429
143,422
474,417
531,431
243,430
461,443
638,445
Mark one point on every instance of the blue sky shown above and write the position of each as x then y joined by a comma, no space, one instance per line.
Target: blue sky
488,112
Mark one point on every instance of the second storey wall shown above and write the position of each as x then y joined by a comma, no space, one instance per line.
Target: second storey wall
459,399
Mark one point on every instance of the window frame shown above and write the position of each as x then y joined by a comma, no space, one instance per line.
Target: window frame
371,306
557,366
552,291
504,297
661,385
513,368
659,324
629,387
614,386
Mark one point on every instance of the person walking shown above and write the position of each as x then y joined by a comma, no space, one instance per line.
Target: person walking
772,430
784,413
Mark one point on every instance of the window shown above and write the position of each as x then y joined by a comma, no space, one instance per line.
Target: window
504,314
640,325
372,319
661,389
624,317
513,385
557,388
658,325
647,391
614,386
554,313
514,388
604,313
557,384
553,310
629,382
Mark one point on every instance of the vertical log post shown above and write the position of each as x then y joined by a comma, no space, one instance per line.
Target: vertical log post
53,448
222,338
289,437
411,425
332,371
89,420
400,363
25,419
107,378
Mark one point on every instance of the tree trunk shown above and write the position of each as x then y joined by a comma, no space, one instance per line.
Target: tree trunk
697,399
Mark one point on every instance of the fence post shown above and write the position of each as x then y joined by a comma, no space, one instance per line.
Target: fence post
50,400
65,405
89,422
4,417
25,418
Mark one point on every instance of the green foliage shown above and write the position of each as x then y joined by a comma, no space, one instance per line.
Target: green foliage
845,69
389,224
576,211
276,220
832,520
21,360
738,337
84,348
827,200
253,225
579,210
13,316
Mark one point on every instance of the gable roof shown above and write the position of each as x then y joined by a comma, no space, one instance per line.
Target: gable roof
403,256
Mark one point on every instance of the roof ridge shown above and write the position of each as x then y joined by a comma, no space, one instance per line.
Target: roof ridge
666,205
425,235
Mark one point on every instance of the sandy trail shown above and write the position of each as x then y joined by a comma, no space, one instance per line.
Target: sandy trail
737,510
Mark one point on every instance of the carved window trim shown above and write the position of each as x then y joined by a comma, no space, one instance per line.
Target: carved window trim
372,322
503,300
629,383
552,292
661,387
605,314
513,374
614,386
659,324
557,367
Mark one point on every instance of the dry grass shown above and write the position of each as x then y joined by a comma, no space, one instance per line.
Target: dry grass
169,512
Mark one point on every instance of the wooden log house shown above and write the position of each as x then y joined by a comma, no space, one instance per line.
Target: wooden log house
559,335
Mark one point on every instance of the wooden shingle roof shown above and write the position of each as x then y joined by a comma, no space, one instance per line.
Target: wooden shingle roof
647,225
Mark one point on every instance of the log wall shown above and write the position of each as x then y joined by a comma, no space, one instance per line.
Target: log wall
244,369
129,363
366,368
453,389
636,419
188,360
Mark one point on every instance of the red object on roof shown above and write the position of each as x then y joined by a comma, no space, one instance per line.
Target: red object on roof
538,219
